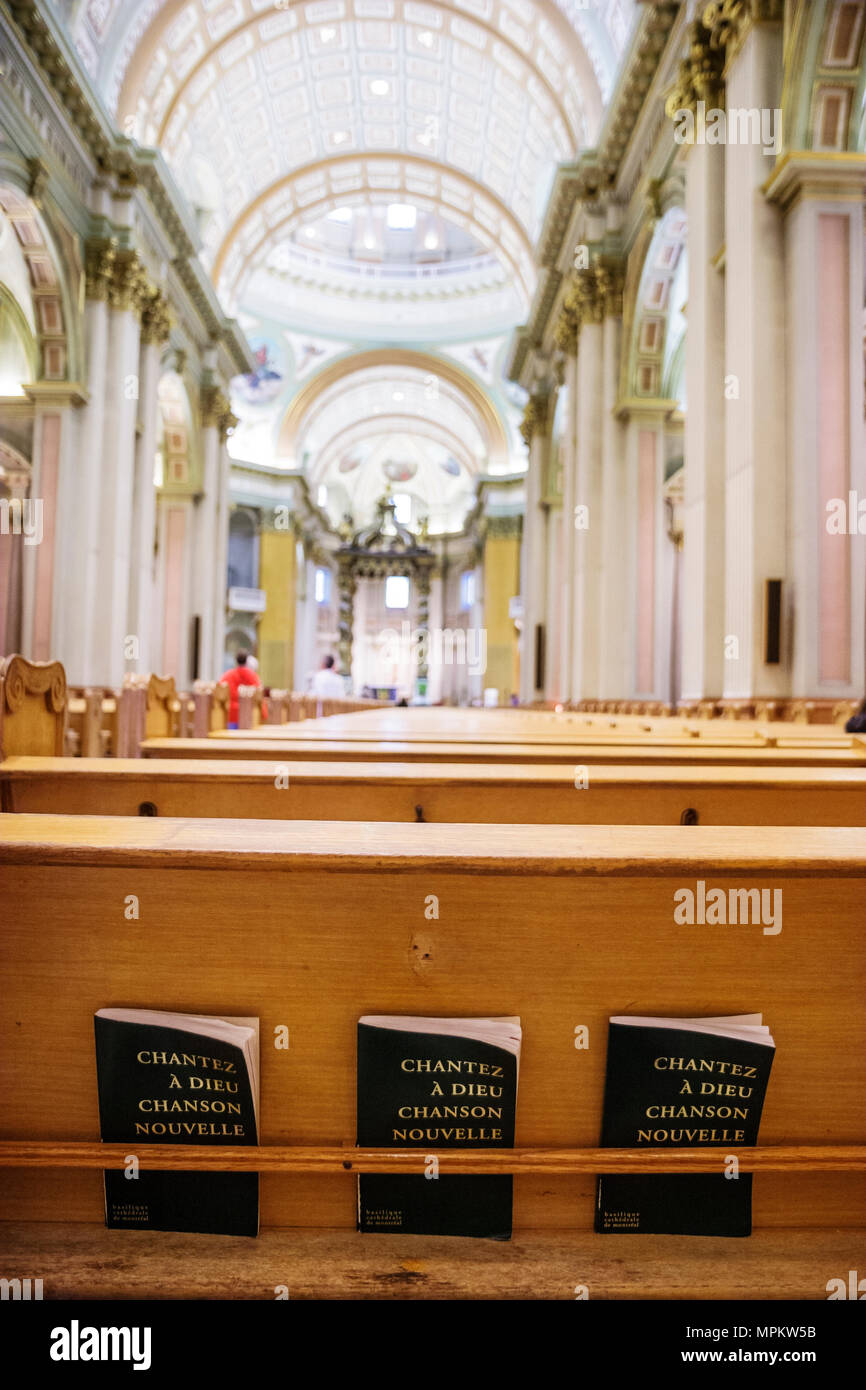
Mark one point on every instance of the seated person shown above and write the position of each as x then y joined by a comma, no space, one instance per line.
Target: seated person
240,674
327,685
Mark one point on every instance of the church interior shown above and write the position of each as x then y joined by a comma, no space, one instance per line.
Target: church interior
433,516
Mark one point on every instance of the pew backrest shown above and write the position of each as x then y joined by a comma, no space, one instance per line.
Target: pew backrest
32,707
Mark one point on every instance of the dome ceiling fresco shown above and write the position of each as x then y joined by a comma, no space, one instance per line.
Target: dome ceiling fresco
372,171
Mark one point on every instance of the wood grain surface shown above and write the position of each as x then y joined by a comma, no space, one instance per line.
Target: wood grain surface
84,1262
548,794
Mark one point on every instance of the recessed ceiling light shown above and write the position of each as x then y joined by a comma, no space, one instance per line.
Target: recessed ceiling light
426,38
397,396
379,87
340,137
327,34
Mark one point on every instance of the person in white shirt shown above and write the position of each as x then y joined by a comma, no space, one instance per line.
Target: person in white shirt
327,685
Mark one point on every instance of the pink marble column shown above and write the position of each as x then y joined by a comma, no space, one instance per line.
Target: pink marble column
11,548
49,631
822,198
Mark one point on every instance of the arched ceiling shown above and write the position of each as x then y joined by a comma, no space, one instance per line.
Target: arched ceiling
250,101
415,425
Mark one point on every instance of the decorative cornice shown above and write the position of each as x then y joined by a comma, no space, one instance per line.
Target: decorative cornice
834,175
130,166
628,99
591,177
56,393
503,527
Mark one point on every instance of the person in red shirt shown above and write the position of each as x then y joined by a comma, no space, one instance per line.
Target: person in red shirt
241,674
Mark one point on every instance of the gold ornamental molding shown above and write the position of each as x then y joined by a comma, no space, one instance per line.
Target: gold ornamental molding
536,413
700,76
216,411
610,277
99,257
155,317
837,176
499,528
590,295
129,283
729,22
567,331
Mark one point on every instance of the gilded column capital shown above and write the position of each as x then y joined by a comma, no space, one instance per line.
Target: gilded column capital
155,317
590,298
99,257
700,73
534,417
567,330
216,411
729,21
610,275
129,283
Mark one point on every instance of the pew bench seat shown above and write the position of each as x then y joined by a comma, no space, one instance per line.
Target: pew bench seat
786,753
87,1262
436,792
556,927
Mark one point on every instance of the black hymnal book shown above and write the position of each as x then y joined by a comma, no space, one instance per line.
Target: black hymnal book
169,1078
693,1082
433,1084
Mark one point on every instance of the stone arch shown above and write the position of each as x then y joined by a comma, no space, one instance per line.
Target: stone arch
46,287
825,81
177,442
438,366
654,265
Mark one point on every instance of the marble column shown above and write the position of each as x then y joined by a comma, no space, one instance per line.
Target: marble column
211,521
588,532
822,198
114,498
567,333
755,365
85,665
646,615
49,552
11,563
703,557
155,326
175,523
555,617
536,433
614,664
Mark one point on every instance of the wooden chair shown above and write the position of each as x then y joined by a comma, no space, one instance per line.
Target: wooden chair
32,708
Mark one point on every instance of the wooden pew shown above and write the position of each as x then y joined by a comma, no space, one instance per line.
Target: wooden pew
786,753
473,726
32,707
559,930
436,792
